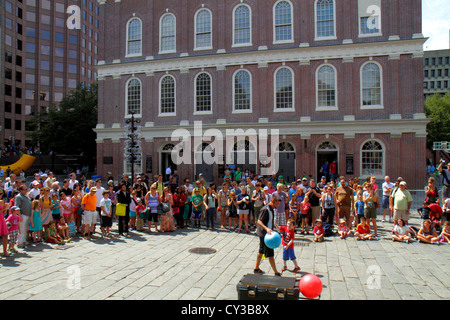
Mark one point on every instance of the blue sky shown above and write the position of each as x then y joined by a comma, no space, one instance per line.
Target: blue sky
436,23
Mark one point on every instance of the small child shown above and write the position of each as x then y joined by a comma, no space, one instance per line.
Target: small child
359,205
363,230
56,212
232,210
445,233
305,208
293,207
427,233
139,219
424,211
51,235
105,207
288,236
133,205
14,229
401,232
318,231
197,207
343,230
35,221
63,229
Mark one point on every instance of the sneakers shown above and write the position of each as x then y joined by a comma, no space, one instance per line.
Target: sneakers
258,271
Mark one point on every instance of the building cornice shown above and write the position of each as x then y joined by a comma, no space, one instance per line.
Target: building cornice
302,55
395,127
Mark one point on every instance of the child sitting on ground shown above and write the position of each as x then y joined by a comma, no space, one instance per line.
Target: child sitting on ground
318,231
427,233
343,230
445,233
51,235
401,232
363,230
63,229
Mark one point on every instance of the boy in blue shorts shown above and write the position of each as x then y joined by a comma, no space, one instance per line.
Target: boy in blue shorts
288,236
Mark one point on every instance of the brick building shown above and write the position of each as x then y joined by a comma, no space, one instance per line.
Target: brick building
340,80
42,60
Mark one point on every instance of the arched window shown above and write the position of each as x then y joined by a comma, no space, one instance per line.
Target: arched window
168,33
372,159
167,95
203,93
325,16
134,37
242,89
282,15
134,97
284,85
371,86
242,25
203,29
326,88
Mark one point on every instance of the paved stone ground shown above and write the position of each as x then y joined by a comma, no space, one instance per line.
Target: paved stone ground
159,266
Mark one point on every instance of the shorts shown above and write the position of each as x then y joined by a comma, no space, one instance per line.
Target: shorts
13,236
289,254
385,204
265,250
242,211
370,213
153,217
90,217
196,214
106,222
132,214
400,214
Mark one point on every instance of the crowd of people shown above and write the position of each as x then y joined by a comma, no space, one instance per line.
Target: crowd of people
46,210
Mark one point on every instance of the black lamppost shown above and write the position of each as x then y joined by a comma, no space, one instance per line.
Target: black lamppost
132,146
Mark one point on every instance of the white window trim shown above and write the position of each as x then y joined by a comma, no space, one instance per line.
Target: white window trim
275,41
247,44
195,31
136,115
316,37
327,108
234,93
195,95
167,114
160,34
383,173
374,107
278,110
127,55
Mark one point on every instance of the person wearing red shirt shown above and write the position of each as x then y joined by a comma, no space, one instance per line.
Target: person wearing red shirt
363,230
287,240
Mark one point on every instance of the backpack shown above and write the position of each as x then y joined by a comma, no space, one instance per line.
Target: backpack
328,229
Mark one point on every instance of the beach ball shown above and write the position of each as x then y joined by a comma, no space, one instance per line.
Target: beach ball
310,286
272,240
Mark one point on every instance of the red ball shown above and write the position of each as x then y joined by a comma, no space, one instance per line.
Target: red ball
310,286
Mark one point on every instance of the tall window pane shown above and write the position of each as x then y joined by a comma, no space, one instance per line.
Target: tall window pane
168,33
372,159
325,18
371,85
203,93
167,95
134,96
242,91
284,93
283,21
242,25
326,87
203,29
134,45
